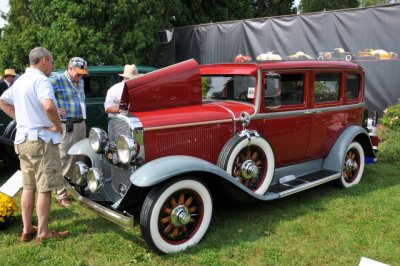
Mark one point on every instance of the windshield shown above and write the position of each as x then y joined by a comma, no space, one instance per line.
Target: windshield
238,88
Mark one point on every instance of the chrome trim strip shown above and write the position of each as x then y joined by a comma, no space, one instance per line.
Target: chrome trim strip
113,216
309,185
308,111
188,124
232,114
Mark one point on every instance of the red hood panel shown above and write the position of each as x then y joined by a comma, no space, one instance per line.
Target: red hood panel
206,112
173,86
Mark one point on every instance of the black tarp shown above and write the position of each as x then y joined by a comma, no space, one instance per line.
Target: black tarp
375,27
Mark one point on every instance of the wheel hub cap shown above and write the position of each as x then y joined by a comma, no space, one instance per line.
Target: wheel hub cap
249,169
351,165
180,215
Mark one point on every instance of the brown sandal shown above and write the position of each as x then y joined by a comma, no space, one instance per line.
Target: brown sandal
29,236
52,234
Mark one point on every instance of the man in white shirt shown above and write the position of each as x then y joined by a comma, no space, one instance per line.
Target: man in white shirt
111,105
31,102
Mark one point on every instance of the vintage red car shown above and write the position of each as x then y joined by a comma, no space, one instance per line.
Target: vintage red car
250,131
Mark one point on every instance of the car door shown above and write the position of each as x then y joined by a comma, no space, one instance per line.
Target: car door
286,123
328,117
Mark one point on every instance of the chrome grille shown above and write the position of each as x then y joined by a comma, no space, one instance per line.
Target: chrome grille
117,127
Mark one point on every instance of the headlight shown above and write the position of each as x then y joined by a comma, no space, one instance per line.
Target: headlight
80,172
127,149
95,180
98,139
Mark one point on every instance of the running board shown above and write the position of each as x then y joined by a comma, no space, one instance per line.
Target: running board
303,182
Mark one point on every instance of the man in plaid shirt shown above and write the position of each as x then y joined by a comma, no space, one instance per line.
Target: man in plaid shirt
70,95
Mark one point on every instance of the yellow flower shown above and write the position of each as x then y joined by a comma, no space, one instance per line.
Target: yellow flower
7,206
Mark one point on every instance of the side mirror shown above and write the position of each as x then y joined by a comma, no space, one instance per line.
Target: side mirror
273,85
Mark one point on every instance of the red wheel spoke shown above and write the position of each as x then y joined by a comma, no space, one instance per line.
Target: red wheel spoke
237,173
188,201
184,229
181,199
175,232
166,220
254,157
168,229
173,203
167,210
193,209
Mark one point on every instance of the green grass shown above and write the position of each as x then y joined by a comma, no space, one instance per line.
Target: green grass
322,226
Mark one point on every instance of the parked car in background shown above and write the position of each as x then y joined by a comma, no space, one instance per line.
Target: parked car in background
99,80
376,54
299,56
268,130
242,58
336,54
268,56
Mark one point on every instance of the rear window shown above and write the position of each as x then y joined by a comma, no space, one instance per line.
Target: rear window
327,87
352,86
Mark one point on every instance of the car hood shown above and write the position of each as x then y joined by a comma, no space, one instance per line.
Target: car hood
204,113
170,87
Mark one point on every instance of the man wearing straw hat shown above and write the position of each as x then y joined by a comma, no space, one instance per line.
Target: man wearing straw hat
111,105
8,80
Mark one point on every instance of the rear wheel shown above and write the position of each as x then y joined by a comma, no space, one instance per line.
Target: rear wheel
353,165
176,215
348,57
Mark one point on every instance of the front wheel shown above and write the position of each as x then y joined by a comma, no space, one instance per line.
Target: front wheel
176,215
250,160
353,165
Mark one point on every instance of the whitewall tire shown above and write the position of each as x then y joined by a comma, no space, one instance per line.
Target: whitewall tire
353,165
250,160
176,215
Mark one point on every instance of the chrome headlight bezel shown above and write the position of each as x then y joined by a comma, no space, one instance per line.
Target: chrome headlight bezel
127,149
79,174
98,139
95,180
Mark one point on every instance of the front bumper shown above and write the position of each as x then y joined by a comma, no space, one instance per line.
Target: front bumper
113,216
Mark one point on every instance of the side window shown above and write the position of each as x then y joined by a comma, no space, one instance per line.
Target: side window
327,87
97,86
238,88
292,89
352,86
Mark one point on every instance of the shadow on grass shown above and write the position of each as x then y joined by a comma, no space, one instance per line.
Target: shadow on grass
234,224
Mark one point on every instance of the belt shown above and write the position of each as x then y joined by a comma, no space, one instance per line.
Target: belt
73,120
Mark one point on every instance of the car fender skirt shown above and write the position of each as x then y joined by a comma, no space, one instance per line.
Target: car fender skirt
83,147
159,170
334,160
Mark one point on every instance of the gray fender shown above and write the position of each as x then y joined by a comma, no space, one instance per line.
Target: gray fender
83,147
335,159
168,167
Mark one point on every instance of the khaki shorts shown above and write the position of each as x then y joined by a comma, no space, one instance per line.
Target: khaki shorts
40,165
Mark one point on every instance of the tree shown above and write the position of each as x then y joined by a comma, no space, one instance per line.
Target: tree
374,2
321,5
112,32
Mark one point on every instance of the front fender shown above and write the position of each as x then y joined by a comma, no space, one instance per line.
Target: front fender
83,147
335,159
168,167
